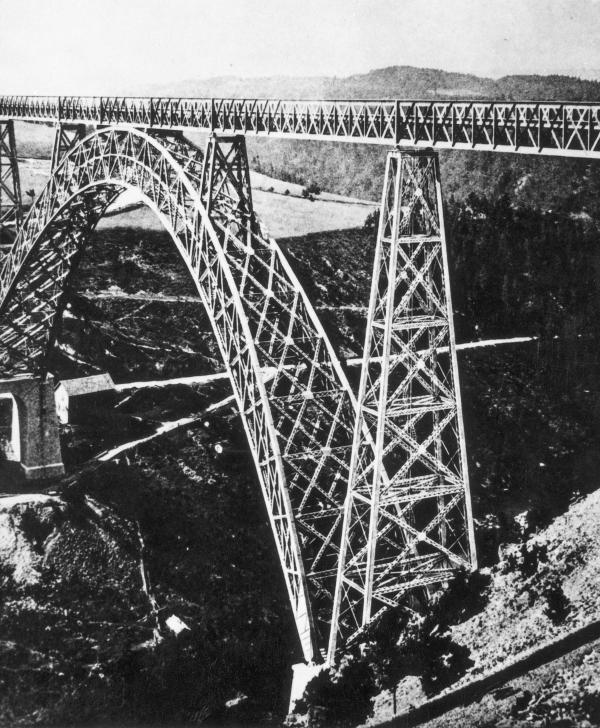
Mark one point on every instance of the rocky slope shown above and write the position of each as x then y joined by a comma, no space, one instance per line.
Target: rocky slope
75,612
543,588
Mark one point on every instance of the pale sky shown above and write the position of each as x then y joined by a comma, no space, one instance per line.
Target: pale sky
108,46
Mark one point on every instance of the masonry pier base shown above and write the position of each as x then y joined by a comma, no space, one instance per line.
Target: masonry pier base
35,426
302,675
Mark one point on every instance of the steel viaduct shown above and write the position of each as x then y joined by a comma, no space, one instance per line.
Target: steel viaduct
368,493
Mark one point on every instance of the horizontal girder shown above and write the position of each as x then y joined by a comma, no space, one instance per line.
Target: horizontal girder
555,129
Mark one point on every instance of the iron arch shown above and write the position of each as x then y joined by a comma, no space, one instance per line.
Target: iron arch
300,424
51,243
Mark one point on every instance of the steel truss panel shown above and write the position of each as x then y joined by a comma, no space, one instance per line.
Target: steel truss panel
407,519
301,422
11,208
53,238
556,129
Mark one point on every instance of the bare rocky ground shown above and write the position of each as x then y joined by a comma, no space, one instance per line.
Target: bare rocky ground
543,588
73,604
565,692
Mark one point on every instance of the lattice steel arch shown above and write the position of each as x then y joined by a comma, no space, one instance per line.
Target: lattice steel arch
47,250
299,425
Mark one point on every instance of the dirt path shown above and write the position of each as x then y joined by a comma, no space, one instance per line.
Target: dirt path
141,296
356,362
199,379
476,689
171,425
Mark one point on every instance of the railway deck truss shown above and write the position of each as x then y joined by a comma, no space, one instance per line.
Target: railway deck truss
563,129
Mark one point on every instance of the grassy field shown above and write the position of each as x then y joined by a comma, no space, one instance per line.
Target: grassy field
283,215
278,204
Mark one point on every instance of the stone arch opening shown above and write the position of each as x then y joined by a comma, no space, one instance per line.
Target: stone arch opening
10,429
33,426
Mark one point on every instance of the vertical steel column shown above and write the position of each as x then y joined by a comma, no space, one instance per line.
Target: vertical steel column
451,353
407,519
67,135
11,208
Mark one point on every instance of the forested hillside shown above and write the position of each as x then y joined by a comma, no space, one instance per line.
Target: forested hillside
357,170
405,82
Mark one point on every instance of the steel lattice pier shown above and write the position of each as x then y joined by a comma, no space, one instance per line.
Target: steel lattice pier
407,520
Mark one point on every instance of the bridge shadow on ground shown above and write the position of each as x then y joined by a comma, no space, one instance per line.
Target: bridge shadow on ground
12,479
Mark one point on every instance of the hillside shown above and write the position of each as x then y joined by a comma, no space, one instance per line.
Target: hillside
357,170
404,82
541,589
199,508
564,692
531,416
281,205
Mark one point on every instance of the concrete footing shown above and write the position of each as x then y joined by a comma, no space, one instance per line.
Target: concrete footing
302,675
37,423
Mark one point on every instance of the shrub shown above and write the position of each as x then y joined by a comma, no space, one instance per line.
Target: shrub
340,697
525,557
372,220
558,605
464,596
400,643
444,661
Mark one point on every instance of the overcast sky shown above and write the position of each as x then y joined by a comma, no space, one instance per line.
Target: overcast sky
104,46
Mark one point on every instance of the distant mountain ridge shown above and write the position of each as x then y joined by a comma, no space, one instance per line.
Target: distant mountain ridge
390,82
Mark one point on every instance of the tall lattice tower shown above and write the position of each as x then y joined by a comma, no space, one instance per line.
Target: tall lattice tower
407,520
10,188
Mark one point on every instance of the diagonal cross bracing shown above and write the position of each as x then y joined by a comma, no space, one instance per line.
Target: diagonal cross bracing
407,518
311,401
299,426
46,252
11,209
306,440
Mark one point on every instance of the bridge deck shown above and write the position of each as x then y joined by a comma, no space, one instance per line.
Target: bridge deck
555,129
